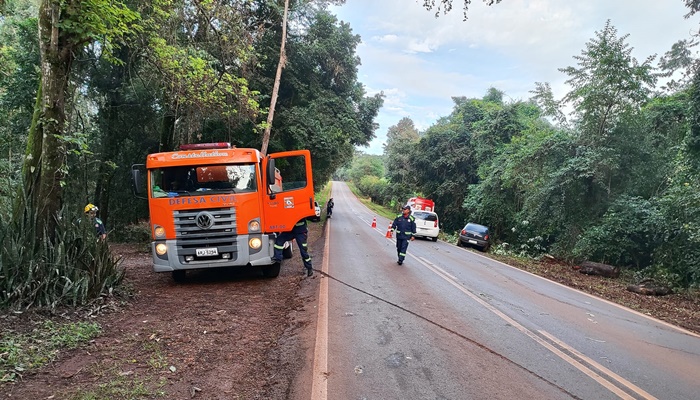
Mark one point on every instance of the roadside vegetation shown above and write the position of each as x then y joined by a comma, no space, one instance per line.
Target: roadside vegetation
24,352
616,181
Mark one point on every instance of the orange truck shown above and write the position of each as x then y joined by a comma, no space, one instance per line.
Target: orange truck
212,205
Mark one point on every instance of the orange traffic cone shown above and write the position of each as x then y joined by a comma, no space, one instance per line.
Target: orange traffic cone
374,222
388,231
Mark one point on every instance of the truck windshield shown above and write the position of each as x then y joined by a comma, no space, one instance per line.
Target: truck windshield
196,179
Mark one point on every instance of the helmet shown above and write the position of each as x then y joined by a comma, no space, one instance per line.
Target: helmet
90,207
406,207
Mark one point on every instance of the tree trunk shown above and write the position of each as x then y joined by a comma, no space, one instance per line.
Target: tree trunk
593,268
32,163
167,132
278,78
56,58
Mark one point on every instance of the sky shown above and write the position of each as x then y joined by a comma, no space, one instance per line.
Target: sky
420,62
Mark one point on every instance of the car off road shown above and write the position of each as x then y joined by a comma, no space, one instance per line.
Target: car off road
474,235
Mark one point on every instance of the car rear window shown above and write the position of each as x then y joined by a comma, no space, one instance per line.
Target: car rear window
476,228
424,215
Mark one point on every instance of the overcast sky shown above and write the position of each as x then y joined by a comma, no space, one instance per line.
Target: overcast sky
421,62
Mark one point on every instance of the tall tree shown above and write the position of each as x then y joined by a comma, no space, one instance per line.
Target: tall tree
64,29
201,52
322,106
607,82
278,76
400,138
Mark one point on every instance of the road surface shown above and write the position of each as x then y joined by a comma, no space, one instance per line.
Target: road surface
452,324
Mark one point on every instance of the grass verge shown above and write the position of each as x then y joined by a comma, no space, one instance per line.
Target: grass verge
24,352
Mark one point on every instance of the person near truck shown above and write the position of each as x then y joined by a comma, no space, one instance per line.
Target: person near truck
300,234
91,212
405,226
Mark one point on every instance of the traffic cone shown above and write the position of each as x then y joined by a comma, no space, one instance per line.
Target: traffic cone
388,231
374,222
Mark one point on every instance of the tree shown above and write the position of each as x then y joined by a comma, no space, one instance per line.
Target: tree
446,6
278,76
64,29
606,83
201,54
19,79
321,106
400,139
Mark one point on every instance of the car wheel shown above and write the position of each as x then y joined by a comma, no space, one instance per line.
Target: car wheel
434,239
271,271
179,275
459,243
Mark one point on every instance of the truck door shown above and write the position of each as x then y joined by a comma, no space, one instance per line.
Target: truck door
289,190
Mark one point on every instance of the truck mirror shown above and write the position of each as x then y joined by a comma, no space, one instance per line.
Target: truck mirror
137,179
270,171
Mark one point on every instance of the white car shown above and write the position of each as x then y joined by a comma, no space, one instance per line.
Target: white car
427,224
317,209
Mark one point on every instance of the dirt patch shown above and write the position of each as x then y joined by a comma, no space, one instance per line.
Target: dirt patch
234,334
225,334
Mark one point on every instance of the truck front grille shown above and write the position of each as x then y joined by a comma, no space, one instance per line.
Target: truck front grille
201,228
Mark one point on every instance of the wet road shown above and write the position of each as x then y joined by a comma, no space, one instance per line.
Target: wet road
452,324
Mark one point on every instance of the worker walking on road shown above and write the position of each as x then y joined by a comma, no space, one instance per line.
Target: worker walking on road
300,234
405,226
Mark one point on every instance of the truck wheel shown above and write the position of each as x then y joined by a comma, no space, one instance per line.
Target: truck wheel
287,252
179,275
271,271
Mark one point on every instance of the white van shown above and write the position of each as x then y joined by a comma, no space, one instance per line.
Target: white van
427,224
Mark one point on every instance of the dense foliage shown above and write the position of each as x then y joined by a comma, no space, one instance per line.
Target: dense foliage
88,88
608,173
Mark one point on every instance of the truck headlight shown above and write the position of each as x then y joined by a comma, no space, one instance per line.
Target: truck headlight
255,243
159,232
254,226
161,249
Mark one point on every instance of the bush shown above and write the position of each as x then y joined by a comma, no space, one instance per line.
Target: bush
135,233
72,269
626,236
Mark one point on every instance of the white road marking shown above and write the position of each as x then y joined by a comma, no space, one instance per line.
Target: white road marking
319,386
549,346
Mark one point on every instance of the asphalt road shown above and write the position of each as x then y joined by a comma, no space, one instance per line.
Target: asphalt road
452,324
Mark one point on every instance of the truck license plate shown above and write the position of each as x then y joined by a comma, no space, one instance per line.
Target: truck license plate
209,251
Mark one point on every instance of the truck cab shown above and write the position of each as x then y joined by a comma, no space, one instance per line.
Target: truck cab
214,205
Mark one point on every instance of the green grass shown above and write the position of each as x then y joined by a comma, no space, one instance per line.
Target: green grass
21,353
376,208
121,379
121,387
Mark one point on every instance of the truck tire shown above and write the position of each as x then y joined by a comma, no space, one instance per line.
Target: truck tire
288,250
271,271
179,275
